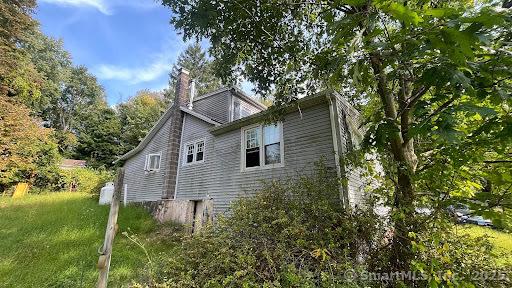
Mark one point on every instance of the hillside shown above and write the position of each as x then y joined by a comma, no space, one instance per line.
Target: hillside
52,241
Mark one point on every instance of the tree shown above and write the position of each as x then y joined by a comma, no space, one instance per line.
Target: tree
27,150
422,68
98,130
81,90
53,65
195,60
138,115
16,24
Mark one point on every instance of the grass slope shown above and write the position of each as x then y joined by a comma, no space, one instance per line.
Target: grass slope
501,241
52,241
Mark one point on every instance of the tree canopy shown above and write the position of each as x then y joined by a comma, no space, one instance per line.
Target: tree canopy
196,61
433,79
138,115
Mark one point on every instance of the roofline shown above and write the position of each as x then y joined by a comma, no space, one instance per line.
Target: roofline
308,101
235,90
220,90
158,125
248,98
200,116
161,121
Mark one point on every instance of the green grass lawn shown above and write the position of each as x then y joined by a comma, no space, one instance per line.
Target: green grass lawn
501,241
52,241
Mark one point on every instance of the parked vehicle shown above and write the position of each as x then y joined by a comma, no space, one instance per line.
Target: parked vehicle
479,220
459,208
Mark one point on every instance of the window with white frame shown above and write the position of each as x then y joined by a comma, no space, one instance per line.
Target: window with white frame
152,162
262,146
194,152
240,109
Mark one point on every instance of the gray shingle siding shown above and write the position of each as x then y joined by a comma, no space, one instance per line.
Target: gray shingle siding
143,186
306,140
215,107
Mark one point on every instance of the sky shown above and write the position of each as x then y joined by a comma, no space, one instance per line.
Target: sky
128,45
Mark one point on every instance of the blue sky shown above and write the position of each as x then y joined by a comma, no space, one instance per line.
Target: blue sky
128,45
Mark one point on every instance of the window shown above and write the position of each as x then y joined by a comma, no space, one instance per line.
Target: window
252,147
262,147
199,151
244,112
190,153
272,144
194,152
236,110
152,162
240,109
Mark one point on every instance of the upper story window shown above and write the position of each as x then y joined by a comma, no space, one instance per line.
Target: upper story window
194,152
239,110
262,147
152,162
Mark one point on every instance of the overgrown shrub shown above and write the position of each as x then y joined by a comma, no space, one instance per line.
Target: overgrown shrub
292,233
295,233
85,180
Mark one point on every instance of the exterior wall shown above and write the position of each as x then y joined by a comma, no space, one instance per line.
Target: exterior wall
192,177
243,105
141,185
349,121
215,107
306,140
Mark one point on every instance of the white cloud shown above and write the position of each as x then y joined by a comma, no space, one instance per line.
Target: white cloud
100,5
160,65
105,6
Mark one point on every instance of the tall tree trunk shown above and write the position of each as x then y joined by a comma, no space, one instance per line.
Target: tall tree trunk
405,160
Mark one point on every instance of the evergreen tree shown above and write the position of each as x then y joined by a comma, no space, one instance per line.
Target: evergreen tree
196,61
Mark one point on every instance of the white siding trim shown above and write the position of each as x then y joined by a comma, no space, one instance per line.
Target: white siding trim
333,115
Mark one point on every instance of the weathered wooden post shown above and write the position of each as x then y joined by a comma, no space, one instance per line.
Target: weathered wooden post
110,233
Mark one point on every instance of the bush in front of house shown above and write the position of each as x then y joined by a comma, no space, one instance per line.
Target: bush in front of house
295,233
84,180
292,233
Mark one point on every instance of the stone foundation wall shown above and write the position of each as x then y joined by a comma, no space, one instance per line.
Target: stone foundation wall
181,211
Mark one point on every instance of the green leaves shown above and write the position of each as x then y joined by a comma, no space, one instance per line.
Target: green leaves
402,13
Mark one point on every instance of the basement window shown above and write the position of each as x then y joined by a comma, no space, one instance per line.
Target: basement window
152,162
262,147
194,152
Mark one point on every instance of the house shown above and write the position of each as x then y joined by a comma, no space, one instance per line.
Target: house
207,151
67,164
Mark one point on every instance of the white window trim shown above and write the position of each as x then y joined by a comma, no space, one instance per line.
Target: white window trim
195,142
146,164
262,148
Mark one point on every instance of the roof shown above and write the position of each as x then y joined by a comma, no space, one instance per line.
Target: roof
308,101
236,91
158,125
72,163
161,121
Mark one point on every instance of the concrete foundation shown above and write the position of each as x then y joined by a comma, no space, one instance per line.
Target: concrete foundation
194,213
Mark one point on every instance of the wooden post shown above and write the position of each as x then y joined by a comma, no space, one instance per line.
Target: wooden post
110,233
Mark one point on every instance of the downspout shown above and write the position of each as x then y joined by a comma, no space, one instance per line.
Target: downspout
338,153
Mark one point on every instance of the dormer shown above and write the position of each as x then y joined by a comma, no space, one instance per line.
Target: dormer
226,105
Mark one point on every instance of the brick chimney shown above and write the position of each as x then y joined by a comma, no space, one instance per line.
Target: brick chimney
182,87
176,126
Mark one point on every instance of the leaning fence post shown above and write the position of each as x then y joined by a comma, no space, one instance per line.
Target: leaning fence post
110,233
